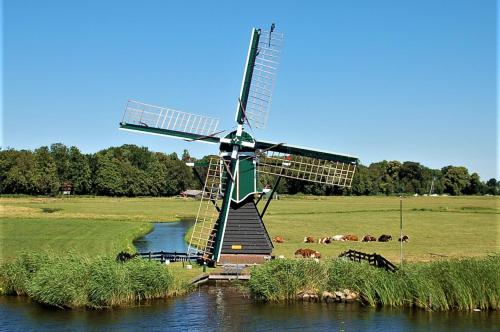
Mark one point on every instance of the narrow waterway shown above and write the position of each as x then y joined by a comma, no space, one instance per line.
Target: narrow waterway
166,236
223,308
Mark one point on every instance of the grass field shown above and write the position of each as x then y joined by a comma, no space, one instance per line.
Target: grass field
449,226
86,225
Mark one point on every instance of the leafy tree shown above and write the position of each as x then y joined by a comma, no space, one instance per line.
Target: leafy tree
17,172
178,176
361,182
455,179
60,155
475,186
45,177
411,175
492,187
79,172
108,178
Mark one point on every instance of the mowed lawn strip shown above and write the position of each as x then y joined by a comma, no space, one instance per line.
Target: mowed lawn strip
109,208
85,237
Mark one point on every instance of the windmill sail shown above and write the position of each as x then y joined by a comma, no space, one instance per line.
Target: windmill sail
259,77
306,164
203,235
166,121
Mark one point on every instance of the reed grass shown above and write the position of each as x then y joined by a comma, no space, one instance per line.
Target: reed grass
463,284
285,279
72,281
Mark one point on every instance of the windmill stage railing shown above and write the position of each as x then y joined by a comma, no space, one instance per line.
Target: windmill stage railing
152,116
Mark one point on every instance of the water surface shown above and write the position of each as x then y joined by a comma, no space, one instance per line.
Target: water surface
223,308
165,236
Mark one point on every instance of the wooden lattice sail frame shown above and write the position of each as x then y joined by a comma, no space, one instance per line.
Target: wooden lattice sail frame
335,173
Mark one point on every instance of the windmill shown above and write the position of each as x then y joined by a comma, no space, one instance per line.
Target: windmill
229,226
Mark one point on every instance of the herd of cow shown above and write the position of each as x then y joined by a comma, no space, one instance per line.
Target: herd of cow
310,253
350,237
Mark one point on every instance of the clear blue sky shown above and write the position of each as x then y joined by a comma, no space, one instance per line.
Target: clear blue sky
394,80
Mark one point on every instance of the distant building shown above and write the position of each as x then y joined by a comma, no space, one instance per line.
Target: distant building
66,188
196,194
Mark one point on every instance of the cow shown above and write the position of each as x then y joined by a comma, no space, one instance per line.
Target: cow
308,239
404,238
278,239
369,238
384,238
350,237
325,240
306,253
338,238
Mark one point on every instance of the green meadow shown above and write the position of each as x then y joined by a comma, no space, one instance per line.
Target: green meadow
437,226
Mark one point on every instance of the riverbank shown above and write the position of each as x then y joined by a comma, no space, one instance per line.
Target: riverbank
463,284
74,281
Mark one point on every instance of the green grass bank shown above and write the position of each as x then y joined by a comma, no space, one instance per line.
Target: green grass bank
463,284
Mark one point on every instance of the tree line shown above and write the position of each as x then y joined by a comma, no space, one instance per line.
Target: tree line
130,170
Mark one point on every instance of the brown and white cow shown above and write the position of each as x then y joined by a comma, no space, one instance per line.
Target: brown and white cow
404,238
306,253
325,240
369,238
308,239
350,237
384,238
278,239
338,238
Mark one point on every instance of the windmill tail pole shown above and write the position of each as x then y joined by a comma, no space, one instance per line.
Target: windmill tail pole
271,197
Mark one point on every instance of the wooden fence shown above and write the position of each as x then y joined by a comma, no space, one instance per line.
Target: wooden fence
372,259
163,256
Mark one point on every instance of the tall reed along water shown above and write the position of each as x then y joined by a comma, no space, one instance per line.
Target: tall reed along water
223,308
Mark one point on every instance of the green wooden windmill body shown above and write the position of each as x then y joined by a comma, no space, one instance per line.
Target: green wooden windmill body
229,226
